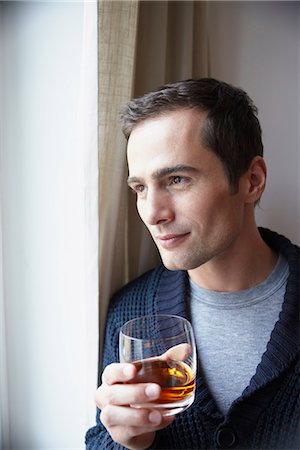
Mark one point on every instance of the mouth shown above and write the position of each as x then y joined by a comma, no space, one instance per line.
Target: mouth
169,241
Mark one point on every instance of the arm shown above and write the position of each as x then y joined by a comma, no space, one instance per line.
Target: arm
120,426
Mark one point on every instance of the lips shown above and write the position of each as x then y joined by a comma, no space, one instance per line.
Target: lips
171,240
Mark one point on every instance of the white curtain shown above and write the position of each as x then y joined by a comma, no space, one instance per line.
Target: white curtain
86,137
49,204
4,407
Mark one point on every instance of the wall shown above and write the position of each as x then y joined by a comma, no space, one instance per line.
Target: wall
256,45
43,225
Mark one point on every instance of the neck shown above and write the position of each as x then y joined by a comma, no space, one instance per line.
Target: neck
246,264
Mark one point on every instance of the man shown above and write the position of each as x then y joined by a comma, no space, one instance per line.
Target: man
195,159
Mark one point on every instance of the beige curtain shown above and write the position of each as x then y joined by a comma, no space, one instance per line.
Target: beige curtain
141,46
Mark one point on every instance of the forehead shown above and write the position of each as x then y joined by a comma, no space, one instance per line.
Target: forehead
172,138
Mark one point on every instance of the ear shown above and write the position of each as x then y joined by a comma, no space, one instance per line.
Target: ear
256,177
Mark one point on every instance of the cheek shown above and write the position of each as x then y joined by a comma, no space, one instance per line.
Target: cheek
231,214
142,208
217,210
199,206
139,208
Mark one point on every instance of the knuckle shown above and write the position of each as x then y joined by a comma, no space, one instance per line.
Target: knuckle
107,374
140,394
111,397
118,436
139,417
143,416
106,395
99,397
130,432
106,416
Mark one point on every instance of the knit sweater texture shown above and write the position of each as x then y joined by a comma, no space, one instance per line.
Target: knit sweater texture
266,415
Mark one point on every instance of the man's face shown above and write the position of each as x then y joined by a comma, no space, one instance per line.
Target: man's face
183,194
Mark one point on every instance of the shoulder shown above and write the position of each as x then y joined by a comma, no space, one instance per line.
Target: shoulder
281,244
291,252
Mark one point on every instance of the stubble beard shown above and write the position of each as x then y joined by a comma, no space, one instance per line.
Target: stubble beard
187,260
196,256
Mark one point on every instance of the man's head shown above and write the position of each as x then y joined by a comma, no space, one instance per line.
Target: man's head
195,169
231,130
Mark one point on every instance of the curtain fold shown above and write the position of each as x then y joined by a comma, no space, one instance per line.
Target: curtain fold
142,45
116,44
86,147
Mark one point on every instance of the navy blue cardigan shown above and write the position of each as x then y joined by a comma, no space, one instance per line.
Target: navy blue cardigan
266,415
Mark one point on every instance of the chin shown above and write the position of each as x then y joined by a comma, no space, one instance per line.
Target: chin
185,263
169,264
175,265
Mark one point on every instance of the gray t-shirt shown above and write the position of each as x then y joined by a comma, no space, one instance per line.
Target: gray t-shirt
232,330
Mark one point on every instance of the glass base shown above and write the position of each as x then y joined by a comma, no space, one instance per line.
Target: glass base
169,409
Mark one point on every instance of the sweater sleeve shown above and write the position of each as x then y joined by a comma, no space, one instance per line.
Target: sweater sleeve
98,438
135,299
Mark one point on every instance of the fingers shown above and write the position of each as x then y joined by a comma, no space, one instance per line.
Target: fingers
116,389
132,427
138,420
178,352
140,428
118,373
126,394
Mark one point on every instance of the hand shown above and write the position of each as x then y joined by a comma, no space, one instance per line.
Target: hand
131,427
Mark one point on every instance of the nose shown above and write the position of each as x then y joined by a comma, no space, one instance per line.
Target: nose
156,208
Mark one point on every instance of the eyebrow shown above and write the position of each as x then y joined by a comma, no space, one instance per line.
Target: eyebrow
160,173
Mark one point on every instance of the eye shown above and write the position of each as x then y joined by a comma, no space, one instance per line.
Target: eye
138,188
177,179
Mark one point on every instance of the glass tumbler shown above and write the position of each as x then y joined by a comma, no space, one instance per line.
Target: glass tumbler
162,347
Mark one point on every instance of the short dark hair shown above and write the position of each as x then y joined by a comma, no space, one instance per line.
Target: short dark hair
232,130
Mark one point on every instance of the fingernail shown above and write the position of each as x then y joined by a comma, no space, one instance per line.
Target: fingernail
152,391
128,372
155,417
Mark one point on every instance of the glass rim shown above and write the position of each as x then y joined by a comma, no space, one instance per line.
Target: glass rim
140,318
